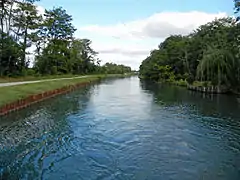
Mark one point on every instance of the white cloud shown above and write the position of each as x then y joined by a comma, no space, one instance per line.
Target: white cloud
134,52
118,47
131,42
40,9
133,61
158,25
121,51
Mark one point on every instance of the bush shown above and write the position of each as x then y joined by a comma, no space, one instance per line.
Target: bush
197,84
182,83
205,84
30,72
190,79
23,72
178,77
54,70
215,81
37,74
186,75
202,84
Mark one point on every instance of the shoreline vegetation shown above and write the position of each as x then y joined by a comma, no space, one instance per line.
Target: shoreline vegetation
38,45
201,87
34,78
53,77
205,60
198,86
16,97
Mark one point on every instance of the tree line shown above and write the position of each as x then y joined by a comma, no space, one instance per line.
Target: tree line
210,54
51,35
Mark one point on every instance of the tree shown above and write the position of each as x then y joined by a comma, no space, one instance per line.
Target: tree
215,66
112,68
209,53
18,22
82,56
26,21
88,55
237,6
58,30
58,25
10,56
57,51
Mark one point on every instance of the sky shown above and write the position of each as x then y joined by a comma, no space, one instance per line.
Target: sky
125,31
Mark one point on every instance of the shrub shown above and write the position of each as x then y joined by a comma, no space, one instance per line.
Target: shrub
205,84
54,70
190,79
30,72
181,82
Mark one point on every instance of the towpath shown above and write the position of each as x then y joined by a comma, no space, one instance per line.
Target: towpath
37,81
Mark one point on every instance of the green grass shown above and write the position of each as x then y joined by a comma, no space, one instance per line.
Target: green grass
33,78
181,83
13,93
202,84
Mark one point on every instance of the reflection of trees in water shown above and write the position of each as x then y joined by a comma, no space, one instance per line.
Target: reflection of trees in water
220,114
205,104
30,132
164,94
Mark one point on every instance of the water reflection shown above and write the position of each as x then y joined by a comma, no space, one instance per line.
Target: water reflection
214,121
210,105
123,129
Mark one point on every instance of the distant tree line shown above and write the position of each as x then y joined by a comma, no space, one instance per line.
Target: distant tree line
50,39
210,54
112,68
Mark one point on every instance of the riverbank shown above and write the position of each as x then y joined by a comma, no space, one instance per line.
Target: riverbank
17,97
34,78
198,87
208,89
49,77
201,87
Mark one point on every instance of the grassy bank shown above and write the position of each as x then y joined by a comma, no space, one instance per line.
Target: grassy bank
182,83
13,93
10,94
34,78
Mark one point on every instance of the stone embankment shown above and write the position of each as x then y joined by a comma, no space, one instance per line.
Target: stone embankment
210,90
32,99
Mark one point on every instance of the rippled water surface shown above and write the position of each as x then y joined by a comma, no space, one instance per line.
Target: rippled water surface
123,129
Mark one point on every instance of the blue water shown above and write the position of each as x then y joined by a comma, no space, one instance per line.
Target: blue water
123,129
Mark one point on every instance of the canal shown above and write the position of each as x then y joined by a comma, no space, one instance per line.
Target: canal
123,129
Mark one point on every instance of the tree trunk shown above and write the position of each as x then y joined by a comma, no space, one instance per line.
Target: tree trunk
219,78
24,48
2,15
186,61
2,46
9,18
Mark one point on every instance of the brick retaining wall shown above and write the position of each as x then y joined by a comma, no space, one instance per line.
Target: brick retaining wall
32,99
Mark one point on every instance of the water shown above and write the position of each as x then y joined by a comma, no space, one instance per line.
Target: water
123,129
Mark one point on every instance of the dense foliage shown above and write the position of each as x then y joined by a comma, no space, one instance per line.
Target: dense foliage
209,54
111,68
47,40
